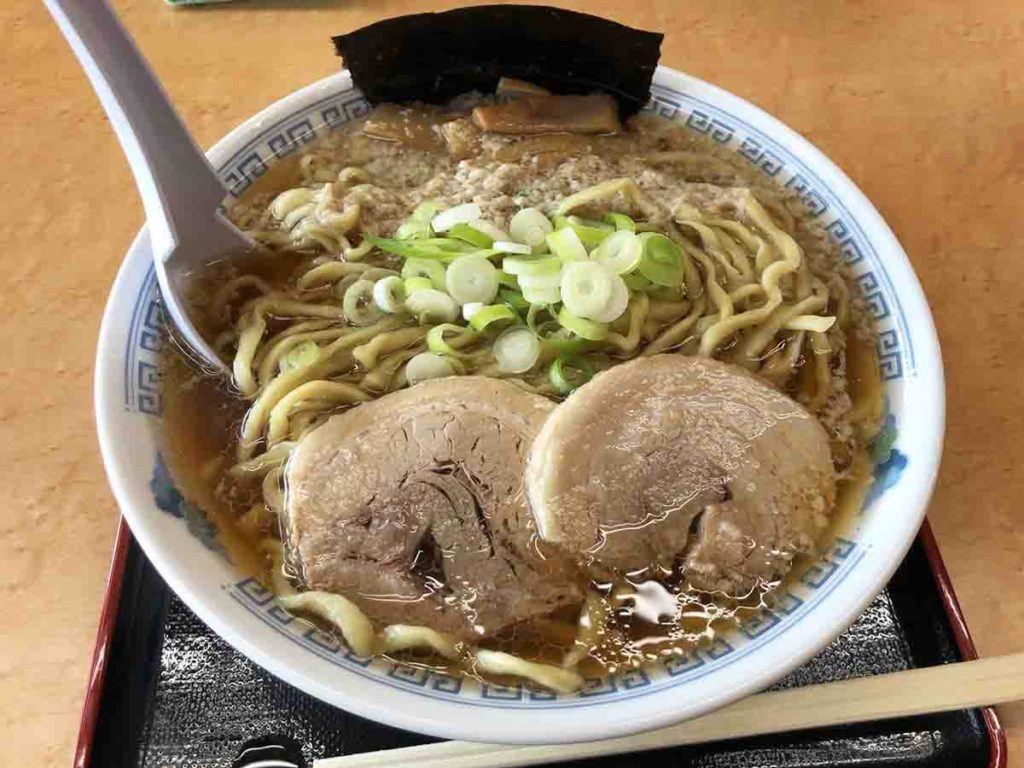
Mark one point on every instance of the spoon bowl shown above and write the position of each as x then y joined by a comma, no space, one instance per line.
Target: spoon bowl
180,191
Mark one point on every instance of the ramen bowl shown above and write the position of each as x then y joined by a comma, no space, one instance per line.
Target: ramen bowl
807,613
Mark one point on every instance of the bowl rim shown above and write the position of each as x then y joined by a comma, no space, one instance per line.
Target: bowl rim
612,718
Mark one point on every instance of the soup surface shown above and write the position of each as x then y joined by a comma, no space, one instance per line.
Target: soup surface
743,275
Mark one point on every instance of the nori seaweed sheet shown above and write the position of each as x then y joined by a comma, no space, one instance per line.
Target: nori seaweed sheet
433,57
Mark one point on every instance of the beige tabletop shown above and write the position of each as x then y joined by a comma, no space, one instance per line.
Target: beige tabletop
921,103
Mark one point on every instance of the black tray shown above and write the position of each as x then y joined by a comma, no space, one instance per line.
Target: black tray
166,691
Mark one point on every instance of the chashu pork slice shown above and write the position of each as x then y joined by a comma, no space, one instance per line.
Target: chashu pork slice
672,461
413,507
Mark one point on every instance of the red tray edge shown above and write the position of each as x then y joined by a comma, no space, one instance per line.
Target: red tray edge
112,594
104,634
996,734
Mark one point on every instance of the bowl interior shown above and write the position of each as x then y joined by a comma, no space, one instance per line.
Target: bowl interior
810,612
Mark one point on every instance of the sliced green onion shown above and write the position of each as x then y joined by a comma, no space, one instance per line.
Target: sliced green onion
413,284
569,372
509,281
431,305
493,313
542,295
418,224
585,329
551,332
428,268
566,245
424,248
516,350
531,317
616,305
389,294
471,235
493,232
466,213
468,310
427,365
591,233
507,246
662,262
541,281
436,342
471,279
358,304
636,282
530,226
620,221
586,288
519,266
620,252
514,299
300,356
565,342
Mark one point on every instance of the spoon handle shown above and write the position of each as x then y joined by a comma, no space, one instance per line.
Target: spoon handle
178,187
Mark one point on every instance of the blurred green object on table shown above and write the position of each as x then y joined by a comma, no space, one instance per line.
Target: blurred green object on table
195,2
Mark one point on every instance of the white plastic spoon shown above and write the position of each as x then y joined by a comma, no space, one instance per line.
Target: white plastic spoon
180,191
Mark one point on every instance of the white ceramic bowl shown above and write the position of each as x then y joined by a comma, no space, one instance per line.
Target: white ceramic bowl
827,599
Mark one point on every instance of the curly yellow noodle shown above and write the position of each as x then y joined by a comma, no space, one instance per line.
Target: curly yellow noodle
693,283
814,323
602,191
282,307
821,350
316,395
678,332
328,273
268,364
291,200
718,295
721,330
711,246
352,173
279,583
380,378
753,346
746,292
248,340
354,253
293,329
326,362
665,311
275,457
367,354
222,298
639,306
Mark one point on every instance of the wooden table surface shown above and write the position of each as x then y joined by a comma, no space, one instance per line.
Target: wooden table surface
921,103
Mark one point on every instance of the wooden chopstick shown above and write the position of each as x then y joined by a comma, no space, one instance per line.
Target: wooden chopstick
967,684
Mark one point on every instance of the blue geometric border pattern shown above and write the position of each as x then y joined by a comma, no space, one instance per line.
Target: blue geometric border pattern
725,649
775,161
143,391
288,134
